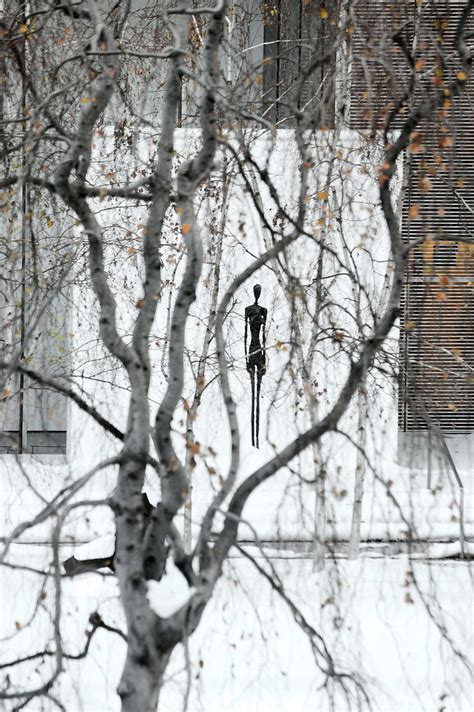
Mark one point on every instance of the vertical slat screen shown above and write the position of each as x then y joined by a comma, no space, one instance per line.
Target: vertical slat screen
295,32
271,53
289,55
319,30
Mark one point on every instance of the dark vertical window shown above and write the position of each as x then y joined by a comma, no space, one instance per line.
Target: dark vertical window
299,37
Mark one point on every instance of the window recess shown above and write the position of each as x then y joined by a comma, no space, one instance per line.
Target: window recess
33,328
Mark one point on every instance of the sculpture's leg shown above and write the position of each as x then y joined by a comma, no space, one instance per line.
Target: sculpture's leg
257,420
252,381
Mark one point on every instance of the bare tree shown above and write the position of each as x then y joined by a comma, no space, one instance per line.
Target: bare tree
117,122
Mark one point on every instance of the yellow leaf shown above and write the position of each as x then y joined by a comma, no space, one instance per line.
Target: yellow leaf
446,141
414,212
460,183
452,407
85,100
441,296
186,228
425,184
259,79
420,63
322,195
23,29
409,325
462,76
131,250
323,13
416,148
5,393
444,280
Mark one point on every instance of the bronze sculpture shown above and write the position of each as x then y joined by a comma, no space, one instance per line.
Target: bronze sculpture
255,318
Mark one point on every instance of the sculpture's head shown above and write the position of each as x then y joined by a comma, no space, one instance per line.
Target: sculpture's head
257,290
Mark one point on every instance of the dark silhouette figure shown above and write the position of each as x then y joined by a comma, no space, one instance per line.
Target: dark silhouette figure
256,319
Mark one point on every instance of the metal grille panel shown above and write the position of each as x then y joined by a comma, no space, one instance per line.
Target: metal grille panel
437,315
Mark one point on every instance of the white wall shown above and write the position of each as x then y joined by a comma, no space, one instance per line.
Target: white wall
352,199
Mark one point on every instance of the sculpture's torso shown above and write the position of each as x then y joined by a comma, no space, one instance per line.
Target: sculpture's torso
256,316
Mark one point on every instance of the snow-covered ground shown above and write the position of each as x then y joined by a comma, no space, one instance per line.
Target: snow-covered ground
248,654
381,618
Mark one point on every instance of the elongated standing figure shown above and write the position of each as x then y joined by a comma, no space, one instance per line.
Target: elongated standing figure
256,319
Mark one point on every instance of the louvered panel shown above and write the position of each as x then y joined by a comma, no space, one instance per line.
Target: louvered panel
379,72
439,356
381,75
441,176
437,310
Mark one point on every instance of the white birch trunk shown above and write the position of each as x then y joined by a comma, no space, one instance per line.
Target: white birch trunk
354,540
319,545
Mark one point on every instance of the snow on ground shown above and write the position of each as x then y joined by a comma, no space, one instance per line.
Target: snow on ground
380,617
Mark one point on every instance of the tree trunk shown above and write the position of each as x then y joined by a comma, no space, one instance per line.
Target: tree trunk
354,541
142,681
319,511
188,505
